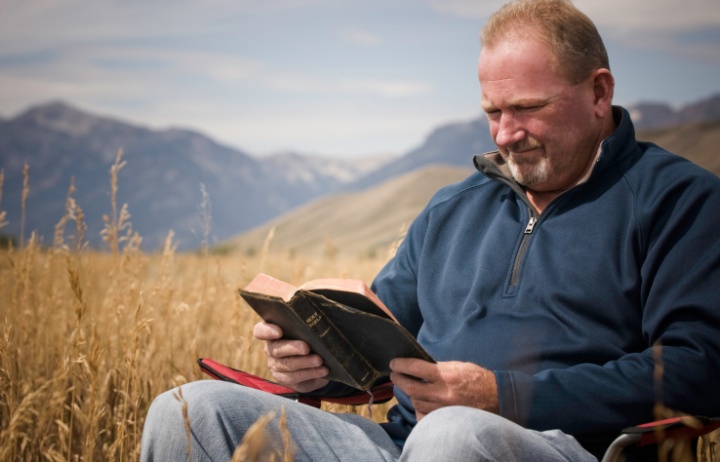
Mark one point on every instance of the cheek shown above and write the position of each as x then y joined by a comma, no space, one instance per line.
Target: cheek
493,127
541,130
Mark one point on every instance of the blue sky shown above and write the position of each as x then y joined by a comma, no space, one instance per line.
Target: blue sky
328,77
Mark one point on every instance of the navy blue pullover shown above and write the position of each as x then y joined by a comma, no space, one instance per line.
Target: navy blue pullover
574,310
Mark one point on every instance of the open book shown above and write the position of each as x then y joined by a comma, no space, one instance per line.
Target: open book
342,320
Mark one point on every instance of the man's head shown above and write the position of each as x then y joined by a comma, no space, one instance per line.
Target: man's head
571,36
547,91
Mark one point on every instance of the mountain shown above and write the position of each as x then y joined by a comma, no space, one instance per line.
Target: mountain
167,170
314,171
357,223
161,181
651,116
450,144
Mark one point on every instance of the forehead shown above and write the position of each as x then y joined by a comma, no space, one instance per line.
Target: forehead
518,68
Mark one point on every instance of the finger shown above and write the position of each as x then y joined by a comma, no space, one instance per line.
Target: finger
304,379
413,387
267,331
283,348
414,367
300,375
294,363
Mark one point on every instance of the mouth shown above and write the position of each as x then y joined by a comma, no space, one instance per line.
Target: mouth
522,151
524,155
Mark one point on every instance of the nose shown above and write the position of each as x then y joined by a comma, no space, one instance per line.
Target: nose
507,131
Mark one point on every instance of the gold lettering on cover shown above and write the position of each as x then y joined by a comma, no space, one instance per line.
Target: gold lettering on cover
313,319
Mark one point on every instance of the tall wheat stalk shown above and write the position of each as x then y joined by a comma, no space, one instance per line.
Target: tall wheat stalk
3,214
23,201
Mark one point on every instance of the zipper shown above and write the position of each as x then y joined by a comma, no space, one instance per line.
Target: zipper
520,256
531,224
493,171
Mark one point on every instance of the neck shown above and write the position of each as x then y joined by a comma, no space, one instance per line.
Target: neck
541,199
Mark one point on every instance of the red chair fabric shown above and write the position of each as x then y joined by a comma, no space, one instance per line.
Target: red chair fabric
376,395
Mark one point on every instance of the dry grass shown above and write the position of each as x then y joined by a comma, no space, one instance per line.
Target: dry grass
88,339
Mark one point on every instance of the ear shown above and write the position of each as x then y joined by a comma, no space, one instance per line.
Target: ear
603,88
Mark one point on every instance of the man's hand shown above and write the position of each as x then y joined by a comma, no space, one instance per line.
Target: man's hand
290,361
432,386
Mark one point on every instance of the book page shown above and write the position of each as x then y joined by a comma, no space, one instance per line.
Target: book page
268,285
347,285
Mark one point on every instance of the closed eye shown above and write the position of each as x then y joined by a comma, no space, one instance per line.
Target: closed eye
530,108
493,113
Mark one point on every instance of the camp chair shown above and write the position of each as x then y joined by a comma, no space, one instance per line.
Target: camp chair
673,429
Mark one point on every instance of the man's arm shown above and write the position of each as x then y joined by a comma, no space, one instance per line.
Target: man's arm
290,361
431,386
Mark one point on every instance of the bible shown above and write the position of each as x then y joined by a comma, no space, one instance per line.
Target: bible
341,320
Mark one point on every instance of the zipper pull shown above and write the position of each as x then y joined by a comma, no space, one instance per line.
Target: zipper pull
531,225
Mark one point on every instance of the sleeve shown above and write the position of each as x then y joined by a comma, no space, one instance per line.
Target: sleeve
680,297
396,283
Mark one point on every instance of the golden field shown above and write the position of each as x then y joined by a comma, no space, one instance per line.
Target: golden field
89,338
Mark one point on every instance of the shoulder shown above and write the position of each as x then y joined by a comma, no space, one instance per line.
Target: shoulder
453,192
658,169
671,193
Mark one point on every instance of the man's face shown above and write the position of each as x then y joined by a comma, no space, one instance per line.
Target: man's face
544,126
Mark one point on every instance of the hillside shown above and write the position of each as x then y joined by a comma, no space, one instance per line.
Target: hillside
450,144
696,141
359,223
368,221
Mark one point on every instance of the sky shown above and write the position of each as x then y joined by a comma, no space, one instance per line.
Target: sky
341,78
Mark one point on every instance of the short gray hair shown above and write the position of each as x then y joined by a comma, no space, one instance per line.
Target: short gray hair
571,36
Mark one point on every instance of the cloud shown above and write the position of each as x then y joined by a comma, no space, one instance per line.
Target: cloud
331,132
622,14
223,68
649,24
28,24
106,76
362,37
652,15
467,8
387,88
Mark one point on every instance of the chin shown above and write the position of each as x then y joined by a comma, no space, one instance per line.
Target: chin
530,174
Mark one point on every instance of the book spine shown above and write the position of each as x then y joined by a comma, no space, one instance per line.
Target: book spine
345,363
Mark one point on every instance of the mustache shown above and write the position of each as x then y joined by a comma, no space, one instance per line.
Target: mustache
525,145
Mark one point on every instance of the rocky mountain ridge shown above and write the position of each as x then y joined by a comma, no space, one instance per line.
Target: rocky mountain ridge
169,174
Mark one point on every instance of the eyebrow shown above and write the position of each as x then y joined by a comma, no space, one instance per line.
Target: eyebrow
521,102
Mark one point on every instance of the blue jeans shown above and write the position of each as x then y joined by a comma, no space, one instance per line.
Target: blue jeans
220,413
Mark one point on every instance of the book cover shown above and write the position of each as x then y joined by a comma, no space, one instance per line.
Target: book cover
341,320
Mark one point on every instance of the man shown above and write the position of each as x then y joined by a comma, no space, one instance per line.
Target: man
552,286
